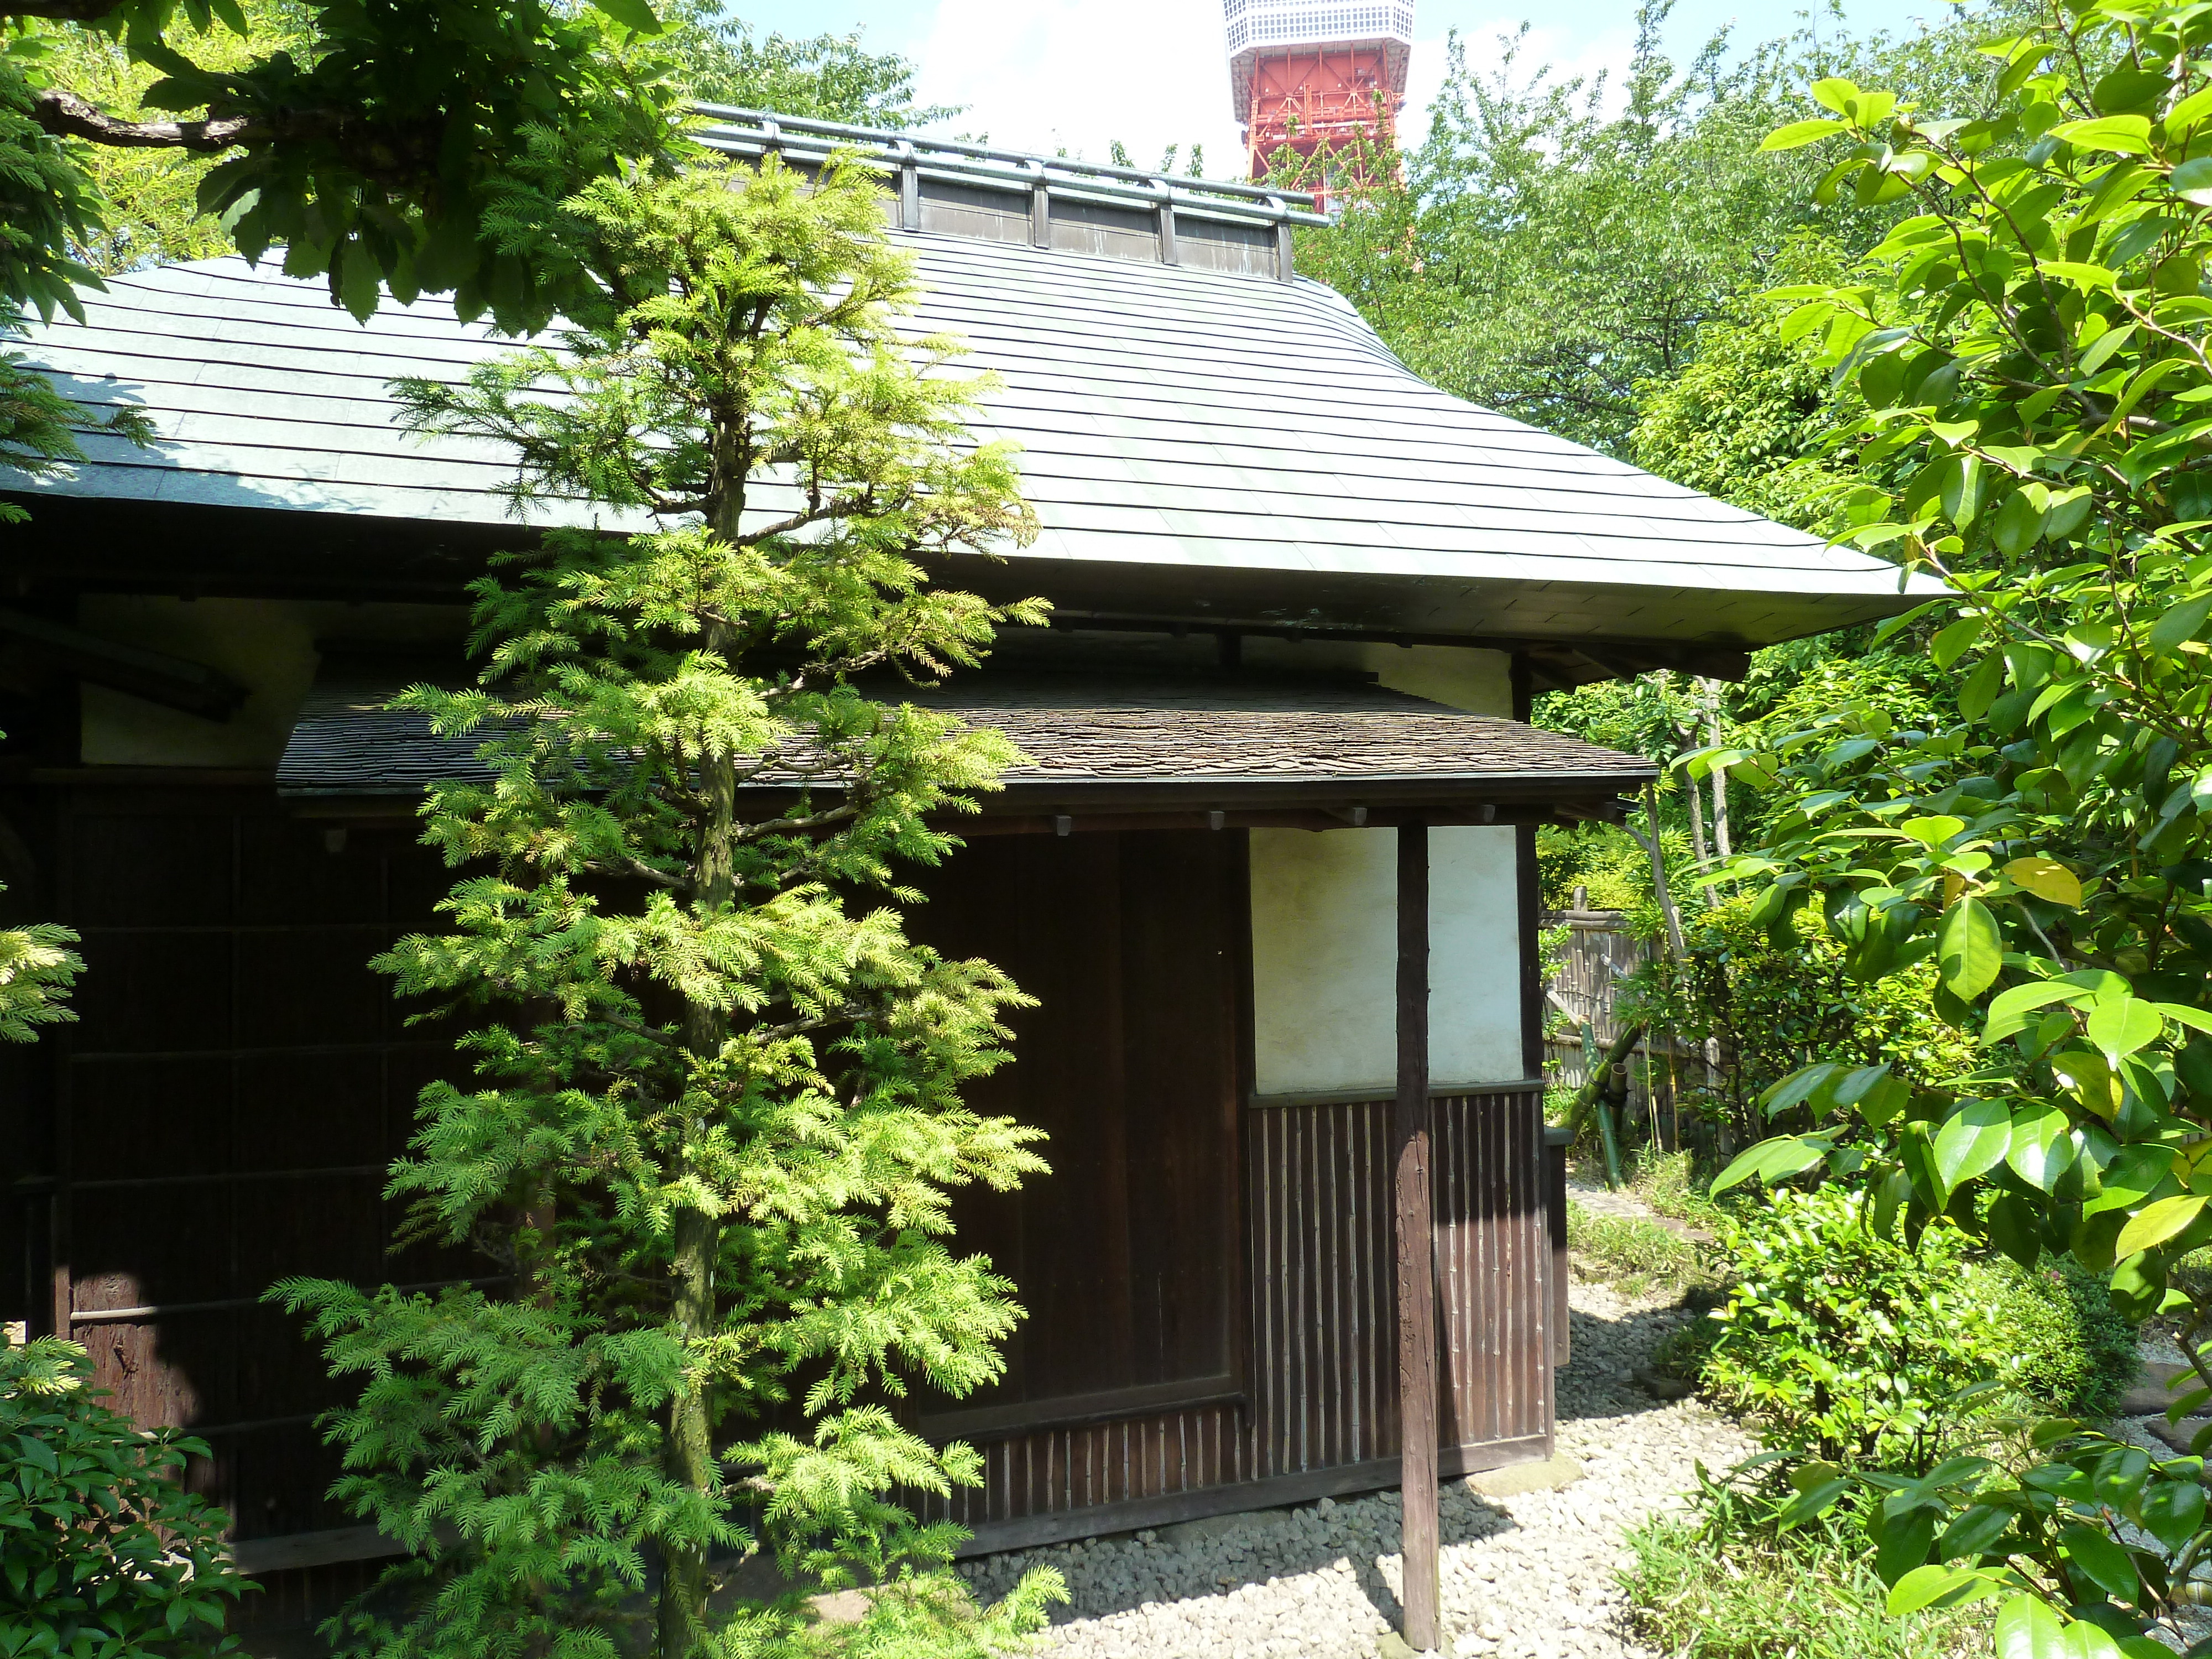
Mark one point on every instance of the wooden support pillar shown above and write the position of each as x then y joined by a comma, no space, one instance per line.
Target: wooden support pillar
1417,1300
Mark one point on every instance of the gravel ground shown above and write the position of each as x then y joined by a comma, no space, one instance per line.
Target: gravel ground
1533,1575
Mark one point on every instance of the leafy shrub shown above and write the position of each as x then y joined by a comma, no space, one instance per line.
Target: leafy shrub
1682,1352
1723,1581
101,1552
1853,1347
1844,1341
2074,1351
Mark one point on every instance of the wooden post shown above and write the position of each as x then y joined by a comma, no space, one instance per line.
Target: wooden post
1416,1303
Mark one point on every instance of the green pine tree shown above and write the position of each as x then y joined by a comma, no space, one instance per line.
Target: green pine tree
720,1114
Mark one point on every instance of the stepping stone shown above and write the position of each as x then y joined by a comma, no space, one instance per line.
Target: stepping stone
2178,1435
1546,1474
2154,1394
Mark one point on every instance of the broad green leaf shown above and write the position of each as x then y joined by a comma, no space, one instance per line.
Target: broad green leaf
2013,1229
2028,1628
2172,1510
2100,1560
2120,1026
1972,1141
2099,350
1798,134
2042,1146
2088,1078
2192,180
1772,1160
2018,523
1982,687
2183,621
2009,1008
1799,1086
2156,1222
2123,134
631,15
1949,645
1969,949
1938,1585
1932,832
2046,879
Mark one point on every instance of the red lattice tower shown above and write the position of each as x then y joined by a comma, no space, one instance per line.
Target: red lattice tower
1315,74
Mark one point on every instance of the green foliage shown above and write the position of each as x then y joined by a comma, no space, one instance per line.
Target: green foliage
147,197
718,59
2029,342
1776,992
2076,1352
1847,1344
1639,1252
1750,418
1542,259
37,967
372,143
1727,1581
718,1119
103,1553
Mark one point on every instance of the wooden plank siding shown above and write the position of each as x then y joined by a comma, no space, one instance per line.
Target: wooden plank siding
222,1115
1321,1412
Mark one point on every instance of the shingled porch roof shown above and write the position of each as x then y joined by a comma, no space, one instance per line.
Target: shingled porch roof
1232,741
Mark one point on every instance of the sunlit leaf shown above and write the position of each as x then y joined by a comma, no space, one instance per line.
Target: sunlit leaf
1969,949
1972,1141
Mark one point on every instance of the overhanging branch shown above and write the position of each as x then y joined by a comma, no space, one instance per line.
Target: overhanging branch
65,115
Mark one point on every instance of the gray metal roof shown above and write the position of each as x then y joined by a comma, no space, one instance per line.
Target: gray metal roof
1216,739
1233,445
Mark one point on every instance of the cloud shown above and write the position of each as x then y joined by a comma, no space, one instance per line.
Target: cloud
1571,55
1080,74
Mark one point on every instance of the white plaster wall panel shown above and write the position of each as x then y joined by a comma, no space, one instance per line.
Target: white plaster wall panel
1324,960
1474,956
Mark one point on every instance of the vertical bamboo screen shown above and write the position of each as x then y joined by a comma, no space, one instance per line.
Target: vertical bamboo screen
1322,1390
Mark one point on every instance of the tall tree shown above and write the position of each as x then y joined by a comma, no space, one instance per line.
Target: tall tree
720,58
1549,255
721,1113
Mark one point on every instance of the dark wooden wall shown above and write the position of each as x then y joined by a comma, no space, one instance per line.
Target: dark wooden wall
222,1115
1319,1414
1211,1321
1127,1255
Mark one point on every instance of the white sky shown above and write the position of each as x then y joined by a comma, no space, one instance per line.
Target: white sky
1040,74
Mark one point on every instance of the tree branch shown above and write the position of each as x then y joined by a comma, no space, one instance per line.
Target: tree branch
60,11
65,115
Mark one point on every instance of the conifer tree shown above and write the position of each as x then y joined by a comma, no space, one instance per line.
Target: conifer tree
718,1116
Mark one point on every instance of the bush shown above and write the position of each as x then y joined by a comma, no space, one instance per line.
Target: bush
101,1552
1722,1581
2074,1351
1852,1347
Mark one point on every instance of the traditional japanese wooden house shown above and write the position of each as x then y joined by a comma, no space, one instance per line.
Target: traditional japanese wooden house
1302,602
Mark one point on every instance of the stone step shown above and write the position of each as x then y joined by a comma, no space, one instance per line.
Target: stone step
2152,1394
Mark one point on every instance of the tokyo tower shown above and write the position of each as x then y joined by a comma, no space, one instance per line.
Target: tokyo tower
1317,73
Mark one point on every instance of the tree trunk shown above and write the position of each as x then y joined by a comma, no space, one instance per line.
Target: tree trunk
688,1456
1657,854
1719,774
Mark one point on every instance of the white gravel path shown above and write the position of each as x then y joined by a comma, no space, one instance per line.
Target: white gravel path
1524,1578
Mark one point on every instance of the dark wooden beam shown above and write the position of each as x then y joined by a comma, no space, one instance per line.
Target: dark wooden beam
1416,1330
